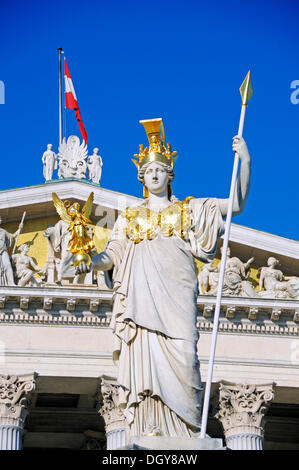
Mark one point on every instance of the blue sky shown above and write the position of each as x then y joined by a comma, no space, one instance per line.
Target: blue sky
183,61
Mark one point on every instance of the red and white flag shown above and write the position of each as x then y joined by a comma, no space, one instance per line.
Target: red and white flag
71,100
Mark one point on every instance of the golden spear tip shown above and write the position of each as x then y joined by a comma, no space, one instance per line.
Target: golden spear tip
246,89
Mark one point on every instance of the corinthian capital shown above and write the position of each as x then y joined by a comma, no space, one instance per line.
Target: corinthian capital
109,408
15,395
242,407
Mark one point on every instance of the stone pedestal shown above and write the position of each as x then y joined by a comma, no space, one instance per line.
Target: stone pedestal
117,430
15,393
115,424
242,409
173,443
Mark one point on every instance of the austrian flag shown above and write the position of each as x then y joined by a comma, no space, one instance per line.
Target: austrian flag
71,100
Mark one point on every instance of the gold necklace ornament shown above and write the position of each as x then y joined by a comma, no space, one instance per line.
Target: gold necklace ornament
145,223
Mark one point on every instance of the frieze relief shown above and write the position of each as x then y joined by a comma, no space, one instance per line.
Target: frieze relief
273,284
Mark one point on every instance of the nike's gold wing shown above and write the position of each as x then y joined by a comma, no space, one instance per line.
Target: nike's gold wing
60,208
86,211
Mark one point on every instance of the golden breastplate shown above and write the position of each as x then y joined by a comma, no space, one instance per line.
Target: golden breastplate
146,223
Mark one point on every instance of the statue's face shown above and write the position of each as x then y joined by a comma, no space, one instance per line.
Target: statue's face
76,206
156,178
72,168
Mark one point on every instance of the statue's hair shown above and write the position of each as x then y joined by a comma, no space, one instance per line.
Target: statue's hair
167,168
272,260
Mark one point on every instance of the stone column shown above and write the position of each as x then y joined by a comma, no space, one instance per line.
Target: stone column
242,408
115,423
15,394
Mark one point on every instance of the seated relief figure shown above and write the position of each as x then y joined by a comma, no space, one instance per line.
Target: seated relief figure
25,268
235,278
275,284
149,260
206,278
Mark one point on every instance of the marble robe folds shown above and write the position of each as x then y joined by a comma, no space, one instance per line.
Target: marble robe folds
154,321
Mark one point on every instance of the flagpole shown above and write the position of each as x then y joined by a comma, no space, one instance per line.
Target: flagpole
246,93
60,51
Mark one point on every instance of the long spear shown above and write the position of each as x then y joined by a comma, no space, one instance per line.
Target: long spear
246,93
17,239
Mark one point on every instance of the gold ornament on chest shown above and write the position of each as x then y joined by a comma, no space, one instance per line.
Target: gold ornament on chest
145,223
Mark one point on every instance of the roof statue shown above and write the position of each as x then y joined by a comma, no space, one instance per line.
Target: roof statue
49,160
72,161
95,164
72,158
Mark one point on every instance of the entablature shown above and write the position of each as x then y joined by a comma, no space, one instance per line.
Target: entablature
91,307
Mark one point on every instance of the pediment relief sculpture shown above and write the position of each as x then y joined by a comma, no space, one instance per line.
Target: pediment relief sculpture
273,284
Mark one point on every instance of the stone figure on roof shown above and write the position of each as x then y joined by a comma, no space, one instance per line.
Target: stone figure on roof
95,164
49,160
72,158
26,267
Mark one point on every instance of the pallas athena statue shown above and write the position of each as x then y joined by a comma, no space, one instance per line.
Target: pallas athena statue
149,261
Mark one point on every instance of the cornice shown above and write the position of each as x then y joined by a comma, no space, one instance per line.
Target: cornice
264,241
91,307
70,188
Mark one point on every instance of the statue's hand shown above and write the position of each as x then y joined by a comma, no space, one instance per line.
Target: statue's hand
240,147
83,268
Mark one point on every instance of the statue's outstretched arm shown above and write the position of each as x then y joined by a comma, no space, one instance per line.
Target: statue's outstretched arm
243,181
102,262
99,262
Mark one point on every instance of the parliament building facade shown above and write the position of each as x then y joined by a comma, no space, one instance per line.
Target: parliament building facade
57,375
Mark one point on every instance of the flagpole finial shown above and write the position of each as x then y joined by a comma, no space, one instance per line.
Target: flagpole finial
246,90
